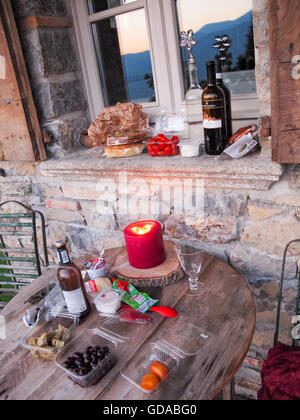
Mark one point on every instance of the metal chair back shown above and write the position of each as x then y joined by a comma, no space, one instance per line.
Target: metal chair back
19,265
297,312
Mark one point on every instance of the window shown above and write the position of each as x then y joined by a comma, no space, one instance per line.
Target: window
212,24
130,51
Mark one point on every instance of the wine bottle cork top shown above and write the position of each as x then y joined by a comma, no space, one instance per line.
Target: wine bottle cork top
61,243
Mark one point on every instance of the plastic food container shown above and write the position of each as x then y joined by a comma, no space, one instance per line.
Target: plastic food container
67,321
96,268
185,338
93,337
125,329
135,370
174,346
189,148
163,145
108,302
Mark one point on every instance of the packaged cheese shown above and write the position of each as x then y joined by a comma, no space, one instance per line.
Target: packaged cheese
97,285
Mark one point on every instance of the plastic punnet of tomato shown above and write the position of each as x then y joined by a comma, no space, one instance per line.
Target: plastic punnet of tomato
162,145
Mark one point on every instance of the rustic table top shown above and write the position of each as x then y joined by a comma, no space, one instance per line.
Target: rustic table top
225,311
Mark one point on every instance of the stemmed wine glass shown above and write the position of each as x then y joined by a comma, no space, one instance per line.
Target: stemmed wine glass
191,260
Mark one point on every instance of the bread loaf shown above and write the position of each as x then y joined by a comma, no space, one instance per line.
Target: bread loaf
124,151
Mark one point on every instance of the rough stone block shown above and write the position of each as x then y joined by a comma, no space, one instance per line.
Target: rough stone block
24,8
65,216
96,219
212,230
18,168
220,203
294,180
66,132
64,205
292,200
56,97
272,236
258,213
92,191
45,189
261,265
48,51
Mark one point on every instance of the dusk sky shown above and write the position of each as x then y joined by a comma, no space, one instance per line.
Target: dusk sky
193,14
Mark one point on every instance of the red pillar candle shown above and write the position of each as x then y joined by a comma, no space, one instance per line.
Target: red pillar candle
145,244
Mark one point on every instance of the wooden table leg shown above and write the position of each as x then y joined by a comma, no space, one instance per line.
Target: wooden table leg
228,391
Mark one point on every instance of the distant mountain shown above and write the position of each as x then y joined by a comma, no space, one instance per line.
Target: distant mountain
137,65
237,30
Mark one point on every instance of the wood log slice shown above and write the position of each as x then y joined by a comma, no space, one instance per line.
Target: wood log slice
165,274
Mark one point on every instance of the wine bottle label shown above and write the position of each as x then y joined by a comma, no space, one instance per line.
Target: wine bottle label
219,76
212,114
75,301
213,123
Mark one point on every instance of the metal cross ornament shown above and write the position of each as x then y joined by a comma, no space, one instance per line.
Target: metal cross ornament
222,43
188,41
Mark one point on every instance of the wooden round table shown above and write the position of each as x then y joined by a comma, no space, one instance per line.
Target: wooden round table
225,310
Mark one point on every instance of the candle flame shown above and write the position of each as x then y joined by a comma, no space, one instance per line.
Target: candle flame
141,230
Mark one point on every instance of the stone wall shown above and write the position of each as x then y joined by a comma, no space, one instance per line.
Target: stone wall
251,207
49,45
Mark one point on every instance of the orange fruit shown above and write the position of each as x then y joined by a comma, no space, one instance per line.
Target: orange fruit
159,369
150,382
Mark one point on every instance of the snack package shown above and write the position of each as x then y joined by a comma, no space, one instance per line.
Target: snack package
142,302
124,151
97,285
244,141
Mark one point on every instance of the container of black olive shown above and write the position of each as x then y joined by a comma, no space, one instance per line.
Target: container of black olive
88,357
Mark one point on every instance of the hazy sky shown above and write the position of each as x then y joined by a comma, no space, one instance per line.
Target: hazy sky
193,14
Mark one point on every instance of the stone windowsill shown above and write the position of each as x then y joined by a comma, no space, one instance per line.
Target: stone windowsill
253,172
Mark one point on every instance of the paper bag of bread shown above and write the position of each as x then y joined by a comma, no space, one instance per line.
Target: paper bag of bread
118,120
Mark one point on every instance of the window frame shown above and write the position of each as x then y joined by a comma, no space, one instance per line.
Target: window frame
165,56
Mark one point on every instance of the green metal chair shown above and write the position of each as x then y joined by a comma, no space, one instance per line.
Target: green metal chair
297,311
17,226
280,372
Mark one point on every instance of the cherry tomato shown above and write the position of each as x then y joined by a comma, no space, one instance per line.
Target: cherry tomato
175,139
161,145
155,148
153,154
161,137
160,369
161,153
167,151
152,140
150,382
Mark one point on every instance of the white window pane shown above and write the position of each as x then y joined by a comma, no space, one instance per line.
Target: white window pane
123,53
96,6
230,17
